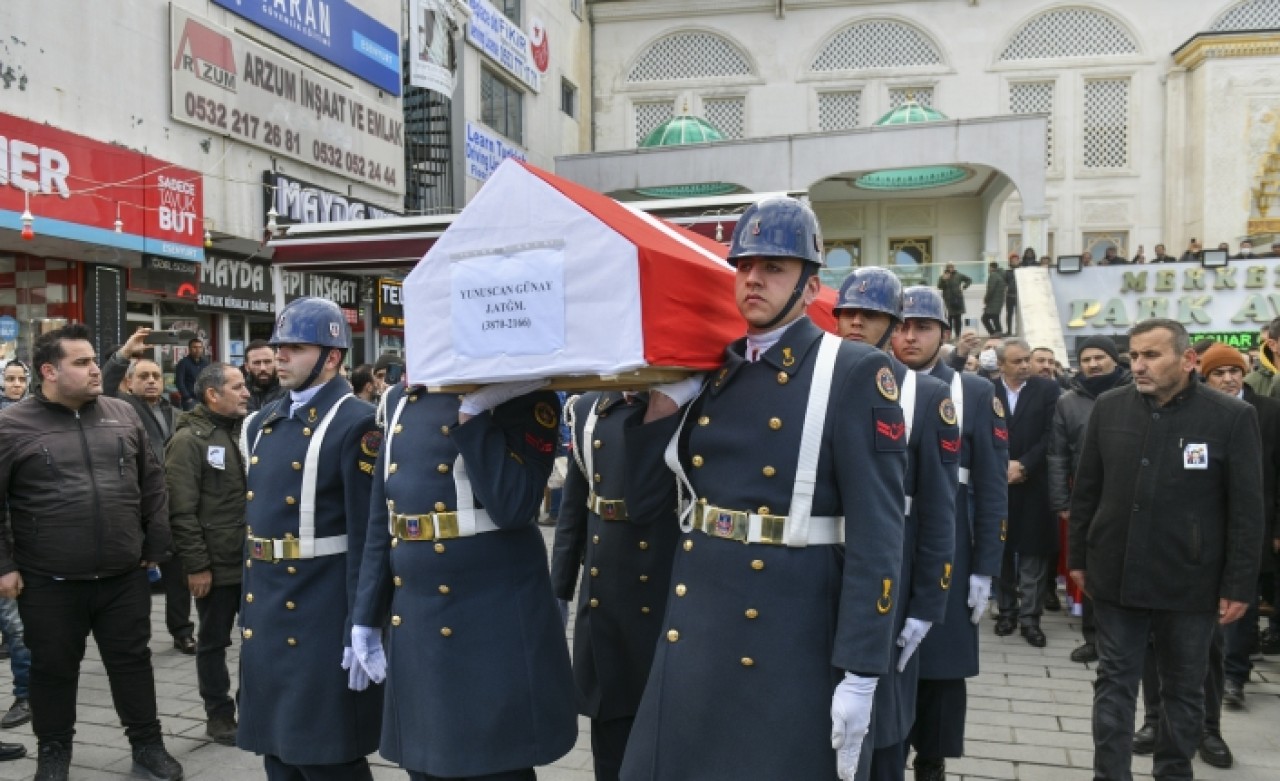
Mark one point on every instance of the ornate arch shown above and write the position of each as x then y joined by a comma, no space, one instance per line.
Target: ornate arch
1067,32
1249,15
689,54
881,43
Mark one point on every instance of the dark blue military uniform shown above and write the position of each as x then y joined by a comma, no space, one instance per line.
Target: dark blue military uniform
294,702
478,676
628,563
757,636
928,546
949,653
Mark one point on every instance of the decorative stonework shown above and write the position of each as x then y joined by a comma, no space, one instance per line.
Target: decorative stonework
1222,46
909,216
689,55
1100,212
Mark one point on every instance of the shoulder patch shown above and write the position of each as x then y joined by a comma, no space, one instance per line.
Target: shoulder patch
886,384
997,407
891,429
947,411
546,415
370,443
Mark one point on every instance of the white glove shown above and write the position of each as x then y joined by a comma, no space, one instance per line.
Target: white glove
366,642
909,640
850,718
490,396
564,612
357,678
979,593
682,391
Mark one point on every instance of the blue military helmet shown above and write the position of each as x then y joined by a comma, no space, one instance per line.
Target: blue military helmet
874,289
779,227
312,321
921,302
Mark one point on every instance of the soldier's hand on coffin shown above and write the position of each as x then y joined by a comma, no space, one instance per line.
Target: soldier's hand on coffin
564,611
666,399
490,396
366,642
912,633
850,717
357,678
979,595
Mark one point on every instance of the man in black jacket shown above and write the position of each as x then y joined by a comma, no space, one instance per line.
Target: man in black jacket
1166,520
86,501
186,371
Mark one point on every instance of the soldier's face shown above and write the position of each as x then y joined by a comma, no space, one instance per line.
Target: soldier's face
861,325
294,363
916,342
762,287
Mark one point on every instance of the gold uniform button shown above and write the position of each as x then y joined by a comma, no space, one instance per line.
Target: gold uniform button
747,661
297,467
248,597
594,602
681,590
595,572
246,634
439,548
443,469
644,545
398,581
248,563
444,589
595,539
266,430
672,636
764,510
248,495
446,631
597,444
704,420
393,468
391,504
289,606
290,500
306,431
399,427
292,570
644,578
644,610
688,545
757,565
783,378
769,471
752,613
440,507
253,460
395,620
395,541
293,641
598,478
775,423
444,430
413,398
697,460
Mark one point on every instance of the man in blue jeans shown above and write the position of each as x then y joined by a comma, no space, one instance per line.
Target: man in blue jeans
20,662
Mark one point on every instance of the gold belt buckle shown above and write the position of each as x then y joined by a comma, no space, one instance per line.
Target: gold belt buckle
772,528
609,509
260,548
411,527
725,524
292,548
446,525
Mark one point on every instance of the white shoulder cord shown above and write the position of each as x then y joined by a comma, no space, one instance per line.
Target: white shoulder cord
796,532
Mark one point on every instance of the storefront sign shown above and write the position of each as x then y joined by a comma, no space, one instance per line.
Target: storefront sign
225,83
166,277
299,202
80,187
490,31
486,149
1242,296
233,285
340,289
433,55
335,31
390,303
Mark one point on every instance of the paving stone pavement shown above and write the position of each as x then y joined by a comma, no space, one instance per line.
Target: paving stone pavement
1028,720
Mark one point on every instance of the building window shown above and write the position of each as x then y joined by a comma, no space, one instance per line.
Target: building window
1035,98
568,98
725,115
877,44
649,116
910,258
1250,15
1097,244
900,95
689,56
501,106
510,9
1069,32
838,110
1106,123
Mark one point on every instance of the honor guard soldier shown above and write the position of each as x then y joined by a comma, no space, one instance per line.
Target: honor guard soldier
869,310
949,654
775,633
627,559
310,462
455,572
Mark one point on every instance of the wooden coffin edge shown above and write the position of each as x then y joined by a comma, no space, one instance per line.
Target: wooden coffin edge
638,380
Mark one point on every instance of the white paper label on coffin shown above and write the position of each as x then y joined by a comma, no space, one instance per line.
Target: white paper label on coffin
508,303
602,332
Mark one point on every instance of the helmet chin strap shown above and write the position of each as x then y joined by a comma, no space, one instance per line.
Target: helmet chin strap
888,334
315,370
805,272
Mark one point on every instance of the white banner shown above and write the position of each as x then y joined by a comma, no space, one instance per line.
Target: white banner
433,56
486,150
508,303
226,83
490,31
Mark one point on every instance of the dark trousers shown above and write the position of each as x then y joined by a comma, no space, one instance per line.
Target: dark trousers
1022,586
277,770
217,611
1182,642
1240,638
1011,309
608,744
1088,624
941,706
1213,684
888,763
177,599
991,323
58,615
512,775
956,319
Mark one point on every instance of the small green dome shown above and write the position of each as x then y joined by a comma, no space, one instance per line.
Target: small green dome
684,129
910,113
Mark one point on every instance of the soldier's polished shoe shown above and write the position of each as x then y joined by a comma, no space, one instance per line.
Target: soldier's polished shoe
1088,652
152,761
1144,740
1214,751
930,769
53,761
1034,636
1005,625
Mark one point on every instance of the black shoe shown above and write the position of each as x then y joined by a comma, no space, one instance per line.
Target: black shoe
1085,653
930,769
19,714
185,644
1144,740
1214,750
1034,636
1233,695
10,751
222,728
1005,626
53,761
1051,601
151,761
1270,642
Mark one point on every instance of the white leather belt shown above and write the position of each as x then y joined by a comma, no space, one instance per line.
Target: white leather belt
760,529
964,476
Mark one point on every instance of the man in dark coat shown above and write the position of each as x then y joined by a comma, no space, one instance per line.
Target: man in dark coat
1100,371
993,300
186,371
1166,522
953,284
628,560
1032,543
